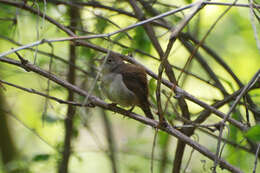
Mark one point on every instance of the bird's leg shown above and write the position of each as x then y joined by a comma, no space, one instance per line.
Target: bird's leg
112,104
162,120
130,110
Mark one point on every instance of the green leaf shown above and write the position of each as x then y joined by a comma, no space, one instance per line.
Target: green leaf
163,138
152,89
101,25
75,132
86,53
127,51
233,130
253,133
8,26
141,40
188,1
41,157
152,85
171,116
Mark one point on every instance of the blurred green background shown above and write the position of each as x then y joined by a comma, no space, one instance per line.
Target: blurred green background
37,143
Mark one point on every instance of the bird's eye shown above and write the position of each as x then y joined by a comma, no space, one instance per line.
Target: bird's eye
109,60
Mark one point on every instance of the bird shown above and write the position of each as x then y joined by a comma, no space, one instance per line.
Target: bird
125,84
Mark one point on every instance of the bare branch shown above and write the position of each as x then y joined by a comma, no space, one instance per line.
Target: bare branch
178,90
98,102
256,156
168,84
33,91
222,123
251,4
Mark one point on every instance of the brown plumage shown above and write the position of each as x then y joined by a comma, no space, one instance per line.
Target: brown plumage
133,77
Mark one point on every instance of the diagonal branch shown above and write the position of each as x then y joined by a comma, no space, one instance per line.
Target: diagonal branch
98,102
165,82
33,91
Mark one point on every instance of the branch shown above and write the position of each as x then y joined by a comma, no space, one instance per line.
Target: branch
91,3
112,153
222,123
71,77
74,36
98,102
129,59
33,91
47,54
256,156
178,90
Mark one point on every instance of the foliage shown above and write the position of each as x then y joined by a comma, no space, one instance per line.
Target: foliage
49,130
254,133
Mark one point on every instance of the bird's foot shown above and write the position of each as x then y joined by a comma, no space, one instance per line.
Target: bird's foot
130,110
163,123
112,104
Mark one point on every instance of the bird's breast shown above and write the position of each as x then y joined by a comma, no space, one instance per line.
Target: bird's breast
114,88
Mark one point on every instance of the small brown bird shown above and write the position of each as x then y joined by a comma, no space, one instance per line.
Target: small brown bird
125,84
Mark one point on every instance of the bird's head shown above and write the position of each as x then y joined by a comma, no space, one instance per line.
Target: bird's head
112,62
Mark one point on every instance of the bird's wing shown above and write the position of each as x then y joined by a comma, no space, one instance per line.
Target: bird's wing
134,77
135,80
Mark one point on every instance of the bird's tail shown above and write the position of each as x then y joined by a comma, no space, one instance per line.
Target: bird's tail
146,109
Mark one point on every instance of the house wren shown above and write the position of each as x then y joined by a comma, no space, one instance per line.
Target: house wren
125,84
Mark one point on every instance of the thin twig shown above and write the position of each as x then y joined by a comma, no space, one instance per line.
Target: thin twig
255,6
229,142
48,86
256,158
85,101
48,54
165,82
74,37
204,65
203,40
112,153
244,90
98,102
31,130
84,93
254,25
113,23
231,4
33,91
188,162
37,31
92,3
222,123
153,148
